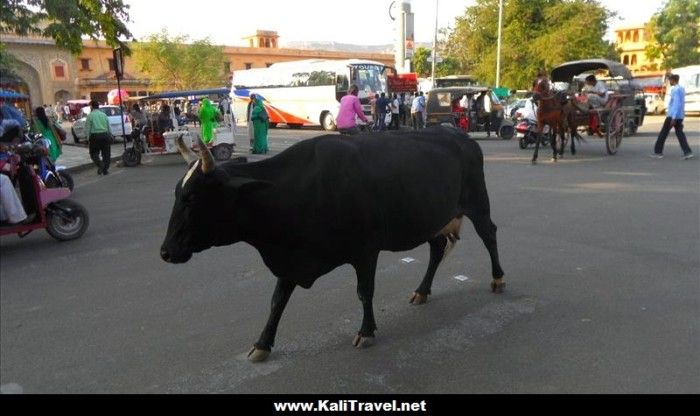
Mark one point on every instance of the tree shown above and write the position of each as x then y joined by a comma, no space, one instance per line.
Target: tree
421,66
536,34
675,34
178,64
66,21
7,63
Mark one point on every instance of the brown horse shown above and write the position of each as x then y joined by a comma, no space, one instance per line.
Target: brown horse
550,112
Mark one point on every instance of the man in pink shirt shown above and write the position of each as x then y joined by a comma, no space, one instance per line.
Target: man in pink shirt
349,107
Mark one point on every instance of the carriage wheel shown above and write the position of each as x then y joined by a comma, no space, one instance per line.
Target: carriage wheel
614,129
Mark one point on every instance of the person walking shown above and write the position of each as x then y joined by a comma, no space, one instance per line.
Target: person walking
208,115
382,104
373,108
46,127
417,109
402,108
99,138
409,104
260,119
395,110
674,118
249,122
349,108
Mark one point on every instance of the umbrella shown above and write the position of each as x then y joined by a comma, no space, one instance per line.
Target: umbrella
113,96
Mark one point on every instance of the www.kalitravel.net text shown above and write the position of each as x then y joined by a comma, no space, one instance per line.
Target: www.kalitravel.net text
350,406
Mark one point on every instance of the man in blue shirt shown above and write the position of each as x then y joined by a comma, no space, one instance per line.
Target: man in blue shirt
674,118
382,104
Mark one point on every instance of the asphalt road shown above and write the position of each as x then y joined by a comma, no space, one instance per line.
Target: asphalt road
601,255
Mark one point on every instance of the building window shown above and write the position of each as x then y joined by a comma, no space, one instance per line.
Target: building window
634,59
85,64
110,62
248,65
59,71
636,36
626,60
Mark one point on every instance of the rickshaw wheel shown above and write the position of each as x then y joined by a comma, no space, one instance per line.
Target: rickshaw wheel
131,157
222,152
506,132
615,129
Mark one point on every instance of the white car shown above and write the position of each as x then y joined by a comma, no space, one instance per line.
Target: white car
115,124
655,105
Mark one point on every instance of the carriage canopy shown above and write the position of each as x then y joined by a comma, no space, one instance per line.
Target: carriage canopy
566,71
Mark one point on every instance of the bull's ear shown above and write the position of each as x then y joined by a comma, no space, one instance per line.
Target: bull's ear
241,185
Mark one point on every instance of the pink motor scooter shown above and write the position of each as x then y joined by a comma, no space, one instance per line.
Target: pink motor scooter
62,218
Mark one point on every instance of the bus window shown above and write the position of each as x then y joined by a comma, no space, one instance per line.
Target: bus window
318,78
341,83
369,78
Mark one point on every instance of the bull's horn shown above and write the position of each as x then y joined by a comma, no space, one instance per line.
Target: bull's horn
207,158
185,151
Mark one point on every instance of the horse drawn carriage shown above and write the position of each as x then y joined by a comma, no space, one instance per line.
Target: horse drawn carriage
623,111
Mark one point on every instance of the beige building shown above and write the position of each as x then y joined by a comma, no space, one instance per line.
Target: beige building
52,75
631,42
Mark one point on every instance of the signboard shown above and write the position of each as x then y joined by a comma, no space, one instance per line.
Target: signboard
403,82
118,63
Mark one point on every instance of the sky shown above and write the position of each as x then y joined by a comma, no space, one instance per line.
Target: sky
347,21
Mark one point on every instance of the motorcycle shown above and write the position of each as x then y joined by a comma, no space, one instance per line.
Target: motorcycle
62,218
526,131
53,176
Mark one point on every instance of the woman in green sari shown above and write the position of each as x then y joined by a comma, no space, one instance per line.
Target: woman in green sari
43,125
207,120
259,116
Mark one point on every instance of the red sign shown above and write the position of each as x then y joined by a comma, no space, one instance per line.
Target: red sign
403,82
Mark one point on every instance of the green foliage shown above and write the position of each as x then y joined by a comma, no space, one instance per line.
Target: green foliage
7,62
421,66
66,21
175,63
676,34
536,34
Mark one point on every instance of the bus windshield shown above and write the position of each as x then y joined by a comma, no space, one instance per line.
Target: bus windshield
369,78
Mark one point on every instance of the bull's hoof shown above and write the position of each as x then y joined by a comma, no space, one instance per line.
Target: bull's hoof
418,299
257,355
555,160
361,341
498,285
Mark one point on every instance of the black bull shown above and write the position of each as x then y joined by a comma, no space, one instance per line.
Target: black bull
335,200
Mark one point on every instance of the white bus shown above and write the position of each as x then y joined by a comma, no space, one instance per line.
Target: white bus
689,78
307,92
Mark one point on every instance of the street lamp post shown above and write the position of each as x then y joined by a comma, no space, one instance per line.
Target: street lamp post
432,71
498,48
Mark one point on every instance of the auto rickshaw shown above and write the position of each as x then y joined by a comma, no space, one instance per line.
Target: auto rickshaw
447,105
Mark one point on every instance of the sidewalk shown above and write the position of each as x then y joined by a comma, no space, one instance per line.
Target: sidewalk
76,157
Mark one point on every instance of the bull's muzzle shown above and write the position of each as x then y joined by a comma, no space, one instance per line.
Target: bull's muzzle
175,259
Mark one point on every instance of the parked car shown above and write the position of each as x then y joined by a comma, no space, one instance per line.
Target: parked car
115,124
655,105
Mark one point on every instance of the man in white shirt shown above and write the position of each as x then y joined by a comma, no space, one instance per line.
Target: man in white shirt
395,103
596,92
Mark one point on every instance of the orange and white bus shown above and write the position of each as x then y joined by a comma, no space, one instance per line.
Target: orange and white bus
307,92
